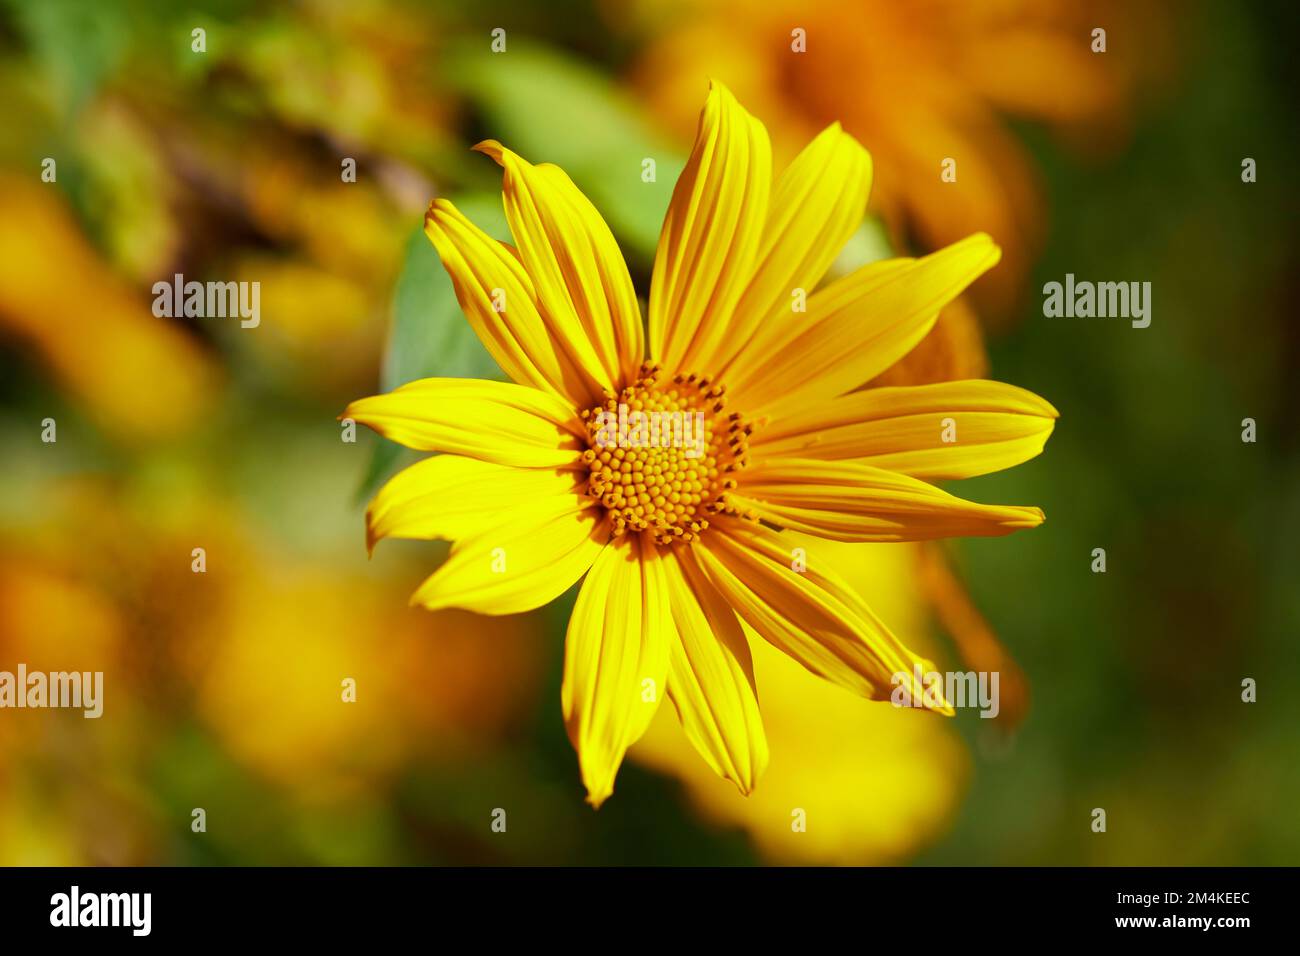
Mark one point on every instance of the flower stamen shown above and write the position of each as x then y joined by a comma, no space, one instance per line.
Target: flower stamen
660,453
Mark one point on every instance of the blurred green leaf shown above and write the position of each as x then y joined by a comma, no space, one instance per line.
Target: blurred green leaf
550,108
429,335
77,44
388,458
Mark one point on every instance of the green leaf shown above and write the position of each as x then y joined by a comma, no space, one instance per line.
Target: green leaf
387,459
550,108
77,45
430,336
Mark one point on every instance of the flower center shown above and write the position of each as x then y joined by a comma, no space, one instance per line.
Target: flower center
660,455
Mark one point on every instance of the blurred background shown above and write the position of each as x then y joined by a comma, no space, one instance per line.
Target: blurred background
1121,690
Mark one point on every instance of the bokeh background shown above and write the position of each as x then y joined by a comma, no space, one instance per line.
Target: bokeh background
1121,690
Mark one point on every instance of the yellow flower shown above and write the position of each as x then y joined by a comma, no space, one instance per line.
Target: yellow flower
925,84
873,784
682,540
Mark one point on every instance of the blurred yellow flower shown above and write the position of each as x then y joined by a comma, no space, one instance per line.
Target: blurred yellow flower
61,774
319,681
537,490
138,376
240,190
919,84
98,576
50,622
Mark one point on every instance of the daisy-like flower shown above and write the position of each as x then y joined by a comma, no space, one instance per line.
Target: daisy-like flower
685,545
920,82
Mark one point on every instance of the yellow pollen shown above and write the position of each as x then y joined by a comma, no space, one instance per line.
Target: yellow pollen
660,455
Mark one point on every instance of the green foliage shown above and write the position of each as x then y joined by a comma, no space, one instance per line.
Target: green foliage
430,336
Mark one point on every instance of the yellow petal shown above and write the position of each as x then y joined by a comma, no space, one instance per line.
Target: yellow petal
615,659
992,426
499,300
711,235
953,350
450,497
492,421
878,783
856,328
711,676
848,501
810,614
575,264
817,204
521,564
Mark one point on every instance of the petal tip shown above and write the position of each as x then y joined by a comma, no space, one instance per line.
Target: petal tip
983,239
427,598
977,241
719,92
438,210
1028,518
492,148
745,784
